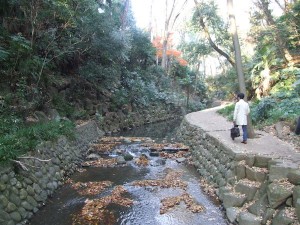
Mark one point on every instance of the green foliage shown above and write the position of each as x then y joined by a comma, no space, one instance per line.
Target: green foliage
223,86
63,107
17,138
262,108
104,76
214,23
282,106
196,106
270,110
26,139
120,98
142,52
227,111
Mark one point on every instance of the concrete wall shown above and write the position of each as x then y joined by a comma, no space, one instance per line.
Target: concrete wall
23,192
254,189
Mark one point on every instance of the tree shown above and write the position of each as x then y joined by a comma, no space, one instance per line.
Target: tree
238,59
207,12
263,5
170,19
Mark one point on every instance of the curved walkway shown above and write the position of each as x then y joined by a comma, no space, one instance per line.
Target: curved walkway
265,144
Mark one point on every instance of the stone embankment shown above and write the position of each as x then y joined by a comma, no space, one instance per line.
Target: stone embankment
23,191
257,183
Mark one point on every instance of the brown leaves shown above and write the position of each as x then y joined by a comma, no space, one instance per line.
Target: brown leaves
142,161
170,181
90,188
101,163
178,154
208,188
102,148
118,140
171,202
95,211
167,147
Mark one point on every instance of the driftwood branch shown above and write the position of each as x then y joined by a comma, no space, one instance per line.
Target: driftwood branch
24,165
40,160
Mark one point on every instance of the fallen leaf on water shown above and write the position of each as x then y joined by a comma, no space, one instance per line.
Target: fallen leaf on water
95,211
170,202
171,180
142,161
100,148
90,188
101,163
167,155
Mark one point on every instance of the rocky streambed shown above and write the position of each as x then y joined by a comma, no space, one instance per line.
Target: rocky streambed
133,180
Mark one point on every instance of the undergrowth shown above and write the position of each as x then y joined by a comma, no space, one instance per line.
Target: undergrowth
269,110
16,138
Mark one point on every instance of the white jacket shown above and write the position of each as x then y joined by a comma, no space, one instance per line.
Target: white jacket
241,110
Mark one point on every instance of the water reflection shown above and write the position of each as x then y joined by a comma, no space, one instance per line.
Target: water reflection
161,130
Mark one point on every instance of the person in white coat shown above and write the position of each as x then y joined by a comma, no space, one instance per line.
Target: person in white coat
241,111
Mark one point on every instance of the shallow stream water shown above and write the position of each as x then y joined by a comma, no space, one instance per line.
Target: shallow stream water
67,203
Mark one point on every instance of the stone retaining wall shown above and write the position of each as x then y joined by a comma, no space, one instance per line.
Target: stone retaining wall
23,192
115,121
254,189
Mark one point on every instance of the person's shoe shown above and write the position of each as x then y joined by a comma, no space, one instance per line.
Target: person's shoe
244,142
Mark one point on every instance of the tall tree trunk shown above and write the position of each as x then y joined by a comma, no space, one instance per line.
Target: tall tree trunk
204,67
238,60
150,28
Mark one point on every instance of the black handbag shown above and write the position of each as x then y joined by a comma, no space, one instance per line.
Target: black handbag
235,132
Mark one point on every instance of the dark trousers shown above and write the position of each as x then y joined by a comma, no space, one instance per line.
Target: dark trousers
245,133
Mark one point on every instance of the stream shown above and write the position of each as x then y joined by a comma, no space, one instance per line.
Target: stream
140,204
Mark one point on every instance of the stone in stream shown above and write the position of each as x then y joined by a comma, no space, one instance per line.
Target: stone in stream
158,162
93,156
128,157
154,153
181,160
121,160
